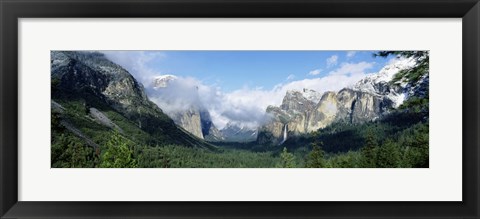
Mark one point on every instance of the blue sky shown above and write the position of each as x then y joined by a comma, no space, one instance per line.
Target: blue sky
233,70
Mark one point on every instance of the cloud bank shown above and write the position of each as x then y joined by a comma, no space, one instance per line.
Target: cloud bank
245,106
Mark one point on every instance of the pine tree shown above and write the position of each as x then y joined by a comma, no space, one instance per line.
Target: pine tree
70,152
416,153
315,159
388,155
287,159
369,150
117,153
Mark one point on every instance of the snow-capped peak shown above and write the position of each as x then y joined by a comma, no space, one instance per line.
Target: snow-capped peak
384,75
163,80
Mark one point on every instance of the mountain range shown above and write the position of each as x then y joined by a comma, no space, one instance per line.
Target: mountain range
302,111
112,98
306,111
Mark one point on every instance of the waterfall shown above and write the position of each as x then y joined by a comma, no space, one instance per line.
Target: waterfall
285,127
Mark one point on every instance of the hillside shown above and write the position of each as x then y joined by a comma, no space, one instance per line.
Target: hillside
93,97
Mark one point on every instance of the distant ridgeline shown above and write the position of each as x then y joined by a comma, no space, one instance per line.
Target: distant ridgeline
102,117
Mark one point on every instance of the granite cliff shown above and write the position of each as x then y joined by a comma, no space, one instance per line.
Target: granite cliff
370,98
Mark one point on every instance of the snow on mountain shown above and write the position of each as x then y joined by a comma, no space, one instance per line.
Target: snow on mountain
163,80
237,133
312,95
386,74
379,83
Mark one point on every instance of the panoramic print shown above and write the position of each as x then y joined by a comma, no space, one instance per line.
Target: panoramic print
239,109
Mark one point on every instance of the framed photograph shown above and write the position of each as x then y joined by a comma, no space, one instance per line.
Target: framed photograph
255,109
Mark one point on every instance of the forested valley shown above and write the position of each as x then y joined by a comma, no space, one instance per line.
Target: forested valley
91,129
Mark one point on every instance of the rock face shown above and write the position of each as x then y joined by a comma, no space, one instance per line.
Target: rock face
359,106
189,120
191,116
103,119
325,112
292,117
91,73
303,112
209,131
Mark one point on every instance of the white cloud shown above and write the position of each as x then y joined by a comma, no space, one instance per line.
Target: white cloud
290,77
332,61
351,54
170,100
136,62
315,72
245,106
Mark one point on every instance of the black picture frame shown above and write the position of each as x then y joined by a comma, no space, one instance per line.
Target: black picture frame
12,10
